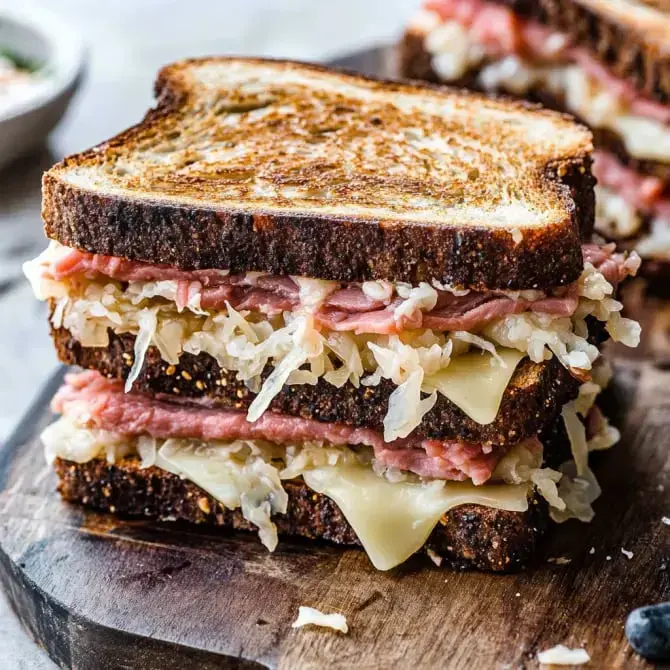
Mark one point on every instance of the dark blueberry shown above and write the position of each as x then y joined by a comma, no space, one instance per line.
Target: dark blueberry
648,631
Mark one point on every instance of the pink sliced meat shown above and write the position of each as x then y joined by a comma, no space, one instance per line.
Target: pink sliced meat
379,322
622,89
283,286
502,32
613,266
348,309
260,300
101,403
474,313
466,461
641,191
564,305
494,26
352,299
122,269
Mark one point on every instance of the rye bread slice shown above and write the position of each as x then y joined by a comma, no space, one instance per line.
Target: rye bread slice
633,43
415,62
533,399
469,536
368,179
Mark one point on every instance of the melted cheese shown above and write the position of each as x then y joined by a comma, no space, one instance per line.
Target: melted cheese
476,382
250,483
393,520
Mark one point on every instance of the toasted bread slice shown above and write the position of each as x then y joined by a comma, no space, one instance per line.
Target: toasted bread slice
288,168
533,399
469,536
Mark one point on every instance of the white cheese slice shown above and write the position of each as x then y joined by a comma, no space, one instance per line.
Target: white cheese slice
251,483
476,382
394,519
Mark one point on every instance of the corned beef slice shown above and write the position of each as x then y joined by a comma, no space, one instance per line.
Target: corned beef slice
346,309
643,192
98,402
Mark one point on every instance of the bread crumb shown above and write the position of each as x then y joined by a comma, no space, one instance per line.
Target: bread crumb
308,616
626,553
436,558
608,558
518,595
666,520
559,560
562,655
203,504
592,550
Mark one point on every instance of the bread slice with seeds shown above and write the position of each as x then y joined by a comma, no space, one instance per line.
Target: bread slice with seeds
287,168
533,398
468,536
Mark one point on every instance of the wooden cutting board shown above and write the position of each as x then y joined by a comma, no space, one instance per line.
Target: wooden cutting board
99,592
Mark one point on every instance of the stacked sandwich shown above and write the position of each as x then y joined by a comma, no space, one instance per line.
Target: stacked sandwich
605,62
311,303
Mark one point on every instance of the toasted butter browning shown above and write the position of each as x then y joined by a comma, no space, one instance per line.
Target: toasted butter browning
255,135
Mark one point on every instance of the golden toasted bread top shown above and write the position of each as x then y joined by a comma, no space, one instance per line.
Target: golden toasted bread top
276,136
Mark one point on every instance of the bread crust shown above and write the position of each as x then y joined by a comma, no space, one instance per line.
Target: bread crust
470,536
535,396
342,248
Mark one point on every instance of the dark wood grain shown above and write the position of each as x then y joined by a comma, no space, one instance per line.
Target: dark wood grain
100,592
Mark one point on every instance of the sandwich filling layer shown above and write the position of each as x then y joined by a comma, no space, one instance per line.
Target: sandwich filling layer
393,495
488,43
426,339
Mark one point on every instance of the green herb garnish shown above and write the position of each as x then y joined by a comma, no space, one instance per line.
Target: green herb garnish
20,62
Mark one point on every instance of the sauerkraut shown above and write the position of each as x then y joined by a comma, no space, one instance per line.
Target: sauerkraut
298,352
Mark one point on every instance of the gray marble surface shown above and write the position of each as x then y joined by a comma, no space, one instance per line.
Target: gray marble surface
128,41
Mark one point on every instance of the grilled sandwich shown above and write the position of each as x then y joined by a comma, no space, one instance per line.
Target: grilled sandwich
316,304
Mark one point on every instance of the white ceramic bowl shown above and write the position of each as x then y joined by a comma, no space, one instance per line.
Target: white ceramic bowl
42,37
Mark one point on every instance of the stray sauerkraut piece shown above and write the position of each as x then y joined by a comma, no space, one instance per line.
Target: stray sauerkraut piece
562,655
308,616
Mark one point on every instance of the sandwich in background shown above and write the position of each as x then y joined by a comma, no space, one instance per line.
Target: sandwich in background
607,63
313,303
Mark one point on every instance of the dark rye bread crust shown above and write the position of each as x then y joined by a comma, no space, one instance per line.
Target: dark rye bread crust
415,63
327,247
624,48
469,536
533,399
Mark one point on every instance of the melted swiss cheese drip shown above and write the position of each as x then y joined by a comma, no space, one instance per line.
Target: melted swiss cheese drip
476,382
